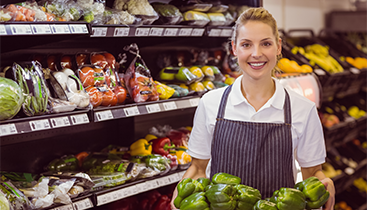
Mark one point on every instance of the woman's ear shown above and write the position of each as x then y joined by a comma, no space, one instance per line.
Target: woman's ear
233,48
279,46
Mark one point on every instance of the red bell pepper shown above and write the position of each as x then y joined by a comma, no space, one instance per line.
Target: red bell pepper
162,146
153,196
161,203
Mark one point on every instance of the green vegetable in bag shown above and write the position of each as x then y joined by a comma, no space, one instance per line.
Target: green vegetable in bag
11,98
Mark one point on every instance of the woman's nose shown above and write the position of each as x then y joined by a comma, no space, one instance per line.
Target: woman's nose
256,52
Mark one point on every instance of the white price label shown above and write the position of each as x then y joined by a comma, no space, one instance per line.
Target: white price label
197,32
78,28
20,29
119,31
8,129
142,31
131,190
170,32
163,181
41,29
148,185
319,72
104,115
215,32
173,178
60,122
131,111
2,30
141,187
194,102
355,70
39,125
60,29
155,184
226,33
103,199
156,31
83,204
79,119
185,32
100,31
169,105
152,108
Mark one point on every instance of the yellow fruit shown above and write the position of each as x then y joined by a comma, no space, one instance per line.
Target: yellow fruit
306,68
197,87
197,72
184,86
360,62
353,111
208,71
229,80
295,66
285,65
208,85
149,137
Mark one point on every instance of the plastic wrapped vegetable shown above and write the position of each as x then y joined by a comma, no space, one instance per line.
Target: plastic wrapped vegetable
65,163
4,203
11,98
165,92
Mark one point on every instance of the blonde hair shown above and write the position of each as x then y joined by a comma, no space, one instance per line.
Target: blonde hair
256,14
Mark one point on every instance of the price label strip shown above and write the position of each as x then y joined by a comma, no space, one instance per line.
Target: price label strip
60,29
185,32
100,31
78,28
226,33
142,32
319,72
215,32
197,32
104,115
170,32
141,187
105,198
2,30
60,122
39,125
119,31
153,108
20,29
79,119
163,181
8,129
131,111
169,106
80,205
41,29
156,31
194,102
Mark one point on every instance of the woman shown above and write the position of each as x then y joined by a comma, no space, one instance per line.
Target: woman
257,129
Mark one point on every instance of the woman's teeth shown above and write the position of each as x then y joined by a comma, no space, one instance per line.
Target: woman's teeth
257,64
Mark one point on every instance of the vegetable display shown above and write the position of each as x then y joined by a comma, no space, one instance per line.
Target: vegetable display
11,98
315,192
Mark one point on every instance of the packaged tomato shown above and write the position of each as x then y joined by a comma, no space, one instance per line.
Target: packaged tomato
111,61
81,59
66,61
98,59
109,98
95,96
86,76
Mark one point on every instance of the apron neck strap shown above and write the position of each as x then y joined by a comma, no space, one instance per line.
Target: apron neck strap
223,102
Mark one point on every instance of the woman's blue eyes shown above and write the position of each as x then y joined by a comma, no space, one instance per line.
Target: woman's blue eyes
266,44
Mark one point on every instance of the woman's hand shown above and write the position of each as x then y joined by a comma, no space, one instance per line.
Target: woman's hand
329,185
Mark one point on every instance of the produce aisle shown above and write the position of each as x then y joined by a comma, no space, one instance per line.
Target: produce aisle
103,135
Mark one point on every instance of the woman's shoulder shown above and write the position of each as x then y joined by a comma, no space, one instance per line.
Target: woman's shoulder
299,101
215,94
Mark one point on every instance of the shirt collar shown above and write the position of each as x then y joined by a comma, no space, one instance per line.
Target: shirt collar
277,100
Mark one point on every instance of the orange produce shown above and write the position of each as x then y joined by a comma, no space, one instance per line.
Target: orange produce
121,93
81,59
111,61
109,98
95,96
98,60
86,75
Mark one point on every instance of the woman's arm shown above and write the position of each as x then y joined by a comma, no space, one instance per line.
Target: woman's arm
196,170
329,184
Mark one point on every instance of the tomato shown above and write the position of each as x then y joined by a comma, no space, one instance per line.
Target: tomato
109,98
51,64
121,93
81,59
99,77
95,96
98,60
111,61
86,75
66,62
81,156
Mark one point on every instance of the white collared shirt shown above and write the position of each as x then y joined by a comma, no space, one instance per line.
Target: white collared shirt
307,135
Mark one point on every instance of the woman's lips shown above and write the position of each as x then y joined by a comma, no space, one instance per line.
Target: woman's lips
257,65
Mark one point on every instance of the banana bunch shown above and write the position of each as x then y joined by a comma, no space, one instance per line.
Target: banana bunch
318,54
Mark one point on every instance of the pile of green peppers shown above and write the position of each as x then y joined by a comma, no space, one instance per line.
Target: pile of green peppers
225,192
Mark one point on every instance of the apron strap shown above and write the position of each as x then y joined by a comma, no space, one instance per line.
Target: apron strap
223,102
287,109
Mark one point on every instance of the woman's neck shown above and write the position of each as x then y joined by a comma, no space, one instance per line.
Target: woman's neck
257,92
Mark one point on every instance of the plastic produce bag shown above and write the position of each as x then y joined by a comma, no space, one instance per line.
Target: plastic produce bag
16,198
4,203
60,188
165,92
11,98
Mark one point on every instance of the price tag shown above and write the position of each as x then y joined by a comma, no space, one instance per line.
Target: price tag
39,125
2,30
78,28
41,29
79,119
185,32
163,181
173,178
131,191
8,129
119,31
156,31
215,32
103,199
226,33
169,106
142,31
319,72
100,31
194,102
104,115
60,29
152,108
170,32
131,111
141,187
83,204
20,29
153,184
60,122
197,32
355,70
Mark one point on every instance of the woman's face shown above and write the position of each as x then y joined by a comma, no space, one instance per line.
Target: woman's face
256,49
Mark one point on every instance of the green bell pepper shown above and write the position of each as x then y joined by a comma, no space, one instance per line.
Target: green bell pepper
185,188
265,205
222,197
204,181
196,201
224,178
315,192
247,197
289,199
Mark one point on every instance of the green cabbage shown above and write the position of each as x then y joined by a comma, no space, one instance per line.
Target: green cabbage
11,98
4,203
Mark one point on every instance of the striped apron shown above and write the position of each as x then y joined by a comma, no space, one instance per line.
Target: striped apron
259,153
